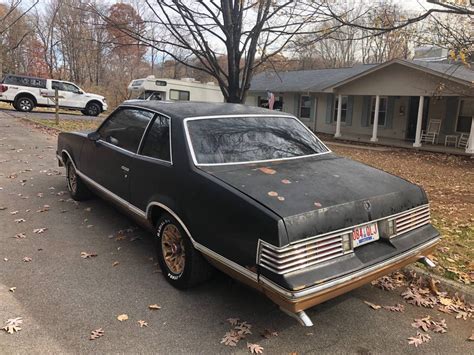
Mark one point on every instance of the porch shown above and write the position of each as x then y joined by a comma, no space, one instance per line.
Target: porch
382,142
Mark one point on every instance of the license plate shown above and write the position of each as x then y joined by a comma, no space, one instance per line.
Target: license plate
365,234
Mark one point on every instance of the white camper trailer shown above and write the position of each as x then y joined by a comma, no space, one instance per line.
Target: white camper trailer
186,89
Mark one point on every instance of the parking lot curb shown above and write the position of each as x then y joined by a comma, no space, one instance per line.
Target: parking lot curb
448,285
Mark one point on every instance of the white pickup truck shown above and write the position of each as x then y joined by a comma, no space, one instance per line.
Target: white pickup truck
26,93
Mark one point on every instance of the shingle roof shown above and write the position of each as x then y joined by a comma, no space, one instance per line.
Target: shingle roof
304,80
320,79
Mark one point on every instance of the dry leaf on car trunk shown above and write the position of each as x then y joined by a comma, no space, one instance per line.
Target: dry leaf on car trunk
230,338
419,339
268,171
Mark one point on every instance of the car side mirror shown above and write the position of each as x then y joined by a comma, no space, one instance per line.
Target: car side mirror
80,92
93,136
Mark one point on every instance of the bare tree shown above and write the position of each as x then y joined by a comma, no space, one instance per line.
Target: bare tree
246,32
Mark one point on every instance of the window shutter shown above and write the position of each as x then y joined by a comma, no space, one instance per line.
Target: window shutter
447,125
350,109
389,114
365,111
329,107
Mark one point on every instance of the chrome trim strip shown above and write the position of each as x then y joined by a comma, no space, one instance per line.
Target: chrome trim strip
295,295
120,200
234,266
342,230
193,156
145,214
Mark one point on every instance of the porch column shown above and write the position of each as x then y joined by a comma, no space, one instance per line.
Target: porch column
339,116
470,140
419,122
376,119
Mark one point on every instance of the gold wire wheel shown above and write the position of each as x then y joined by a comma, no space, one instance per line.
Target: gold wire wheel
172,245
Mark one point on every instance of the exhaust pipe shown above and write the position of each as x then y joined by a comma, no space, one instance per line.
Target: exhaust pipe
427,261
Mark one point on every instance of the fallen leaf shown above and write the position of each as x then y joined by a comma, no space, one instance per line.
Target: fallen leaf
88,209
230,338
317,204
86,255
12,289
39,230
45,208
254,348
27,259
268,171
471,338
286,181
396,308
419,339
142,323
14,212
154,306
372,305
233,321
273,194
5,259
20,220
115,263
13,325
20,236
422,323
268,333
122,317
96,334
281,198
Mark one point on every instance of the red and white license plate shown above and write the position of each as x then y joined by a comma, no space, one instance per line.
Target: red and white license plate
365,234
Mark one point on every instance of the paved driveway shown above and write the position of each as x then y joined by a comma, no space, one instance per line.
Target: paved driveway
74,115
62,297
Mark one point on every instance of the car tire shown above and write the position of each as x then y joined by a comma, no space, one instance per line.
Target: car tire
76,187
182,265
92,109
24,104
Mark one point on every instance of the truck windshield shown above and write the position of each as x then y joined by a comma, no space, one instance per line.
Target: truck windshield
249,139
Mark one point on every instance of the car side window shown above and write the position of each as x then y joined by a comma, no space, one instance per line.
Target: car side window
57,85
70,88
125,128
157,140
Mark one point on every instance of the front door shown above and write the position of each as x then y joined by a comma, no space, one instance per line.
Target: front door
69,94
109,159
413,116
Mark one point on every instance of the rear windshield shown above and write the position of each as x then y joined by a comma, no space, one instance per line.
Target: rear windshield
249,139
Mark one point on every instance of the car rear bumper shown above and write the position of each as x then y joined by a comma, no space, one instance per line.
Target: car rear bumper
296,301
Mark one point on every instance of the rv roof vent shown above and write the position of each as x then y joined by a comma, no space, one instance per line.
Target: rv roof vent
189,80
152,77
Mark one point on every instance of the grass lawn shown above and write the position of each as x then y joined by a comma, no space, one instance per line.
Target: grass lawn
447,179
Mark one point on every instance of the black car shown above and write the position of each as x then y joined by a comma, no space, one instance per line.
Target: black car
253,192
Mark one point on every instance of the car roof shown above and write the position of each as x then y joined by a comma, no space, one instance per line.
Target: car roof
185,109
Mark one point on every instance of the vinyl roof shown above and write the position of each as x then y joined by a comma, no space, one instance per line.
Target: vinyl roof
184,109
320,79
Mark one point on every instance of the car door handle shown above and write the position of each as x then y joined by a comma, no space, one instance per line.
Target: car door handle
124,168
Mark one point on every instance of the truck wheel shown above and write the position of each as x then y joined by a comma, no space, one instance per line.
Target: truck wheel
92,109
77,189
182,265
24,104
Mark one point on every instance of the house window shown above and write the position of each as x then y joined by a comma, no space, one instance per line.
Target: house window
179,95
466,111
382,111
343,109
305,107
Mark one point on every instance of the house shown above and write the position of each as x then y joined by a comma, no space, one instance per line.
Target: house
400,102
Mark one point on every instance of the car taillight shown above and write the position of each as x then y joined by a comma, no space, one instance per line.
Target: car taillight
3,88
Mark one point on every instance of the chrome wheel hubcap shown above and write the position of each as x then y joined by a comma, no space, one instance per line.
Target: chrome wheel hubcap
172,245
71,179
25,105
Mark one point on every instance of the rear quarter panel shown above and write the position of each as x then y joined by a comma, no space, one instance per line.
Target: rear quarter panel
71,142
